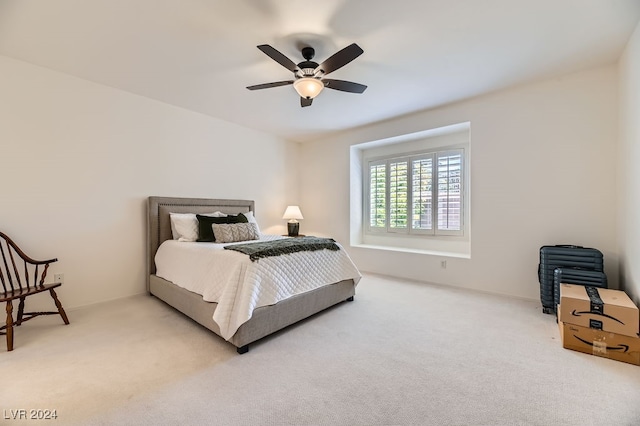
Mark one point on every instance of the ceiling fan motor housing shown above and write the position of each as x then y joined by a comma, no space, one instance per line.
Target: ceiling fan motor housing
307,68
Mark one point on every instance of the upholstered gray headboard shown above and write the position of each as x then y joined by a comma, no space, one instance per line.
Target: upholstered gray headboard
159,223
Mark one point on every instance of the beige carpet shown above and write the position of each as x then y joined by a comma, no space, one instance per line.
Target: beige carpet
403,353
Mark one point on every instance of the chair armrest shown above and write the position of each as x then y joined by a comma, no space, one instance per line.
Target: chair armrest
23,254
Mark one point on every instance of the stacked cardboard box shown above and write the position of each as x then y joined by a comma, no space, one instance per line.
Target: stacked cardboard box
600,322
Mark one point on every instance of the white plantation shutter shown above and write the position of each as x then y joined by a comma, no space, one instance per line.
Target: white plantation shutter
422,193
418,194
449,198
378,195
398,194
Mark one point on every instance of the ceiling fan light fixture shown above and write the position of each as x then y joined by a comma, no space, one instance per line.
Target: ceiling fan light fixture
308,87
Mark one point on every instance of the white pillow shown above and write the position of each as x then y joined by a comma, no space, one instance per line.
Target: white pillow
234,232
184,226
251,218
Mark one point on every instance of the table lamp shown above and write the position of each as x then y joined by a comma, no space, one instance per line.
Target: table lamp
293,213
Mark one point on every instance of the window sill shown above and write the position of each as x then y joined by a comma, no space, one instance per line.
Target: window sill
415,251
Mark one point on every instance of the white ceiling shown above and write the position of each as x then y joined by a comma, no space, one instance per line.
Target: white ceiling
418,54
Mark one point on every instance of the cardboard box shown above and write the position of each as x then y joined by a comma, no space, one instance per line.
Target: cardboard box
598,308
600,343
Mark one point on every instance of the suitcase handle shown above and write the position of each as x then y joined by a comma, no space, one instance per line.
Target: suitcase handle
539,273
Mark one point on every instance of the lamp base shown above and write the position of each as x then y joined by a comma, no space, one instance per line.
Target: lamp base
293,229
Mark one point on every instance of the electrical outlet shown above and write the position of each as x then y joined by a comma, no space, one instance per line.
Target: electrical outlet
58,278
443,264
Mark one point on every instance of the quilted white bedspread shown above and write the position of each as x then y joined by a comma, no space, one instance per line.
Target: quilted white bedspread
239,285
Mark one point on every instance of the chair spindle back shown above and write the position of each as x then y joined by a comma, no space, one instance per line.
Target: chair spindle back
16,267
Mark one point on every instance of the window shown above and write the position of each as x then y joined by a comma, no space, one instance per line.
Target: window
411,193
419,194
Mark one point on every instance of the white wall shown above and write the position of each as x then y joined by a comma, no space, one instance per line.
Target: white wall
543,162
78,161
629,176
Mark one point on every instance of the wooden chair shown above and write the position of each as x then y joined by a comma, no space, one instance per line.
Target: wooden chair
17,284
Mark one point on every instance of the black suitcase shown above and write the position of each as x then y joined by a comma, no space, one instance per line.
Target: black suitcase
580,276
559,256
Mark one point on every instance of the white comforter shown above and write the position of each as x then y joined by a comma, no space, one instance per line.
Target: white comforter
239,285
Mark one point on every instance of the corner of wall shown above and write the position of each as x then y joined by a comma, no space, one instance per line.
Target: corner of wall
628,174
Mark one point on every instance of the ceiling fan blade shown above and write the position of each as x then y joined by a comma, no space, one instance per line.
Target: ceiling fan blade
269,85
278,57
341,58
345,86
304,102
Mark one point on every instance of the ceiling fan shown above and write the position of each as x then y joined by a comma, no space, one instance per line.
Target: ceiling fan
309,76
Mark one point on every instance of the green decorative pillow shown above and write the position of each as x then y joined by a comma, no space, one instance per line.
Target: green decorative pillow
240,218
205,231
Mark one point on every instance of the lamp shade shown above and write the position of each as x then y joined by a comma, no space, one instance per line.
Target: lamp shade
293,213
308,87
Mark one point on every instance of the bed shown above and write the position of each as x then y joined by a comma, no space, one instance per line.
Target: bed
264,320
